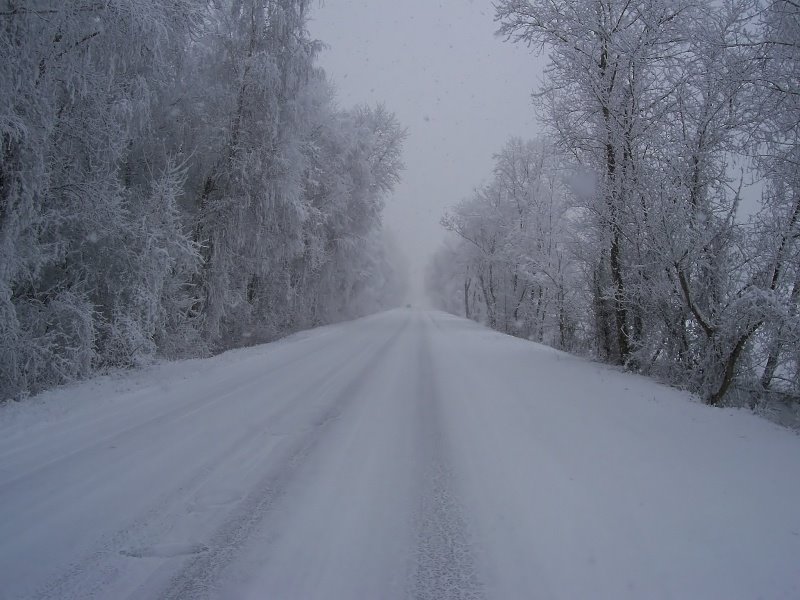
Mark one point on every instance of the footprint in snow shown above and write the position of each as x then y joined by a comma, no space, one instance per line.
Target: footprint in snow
215,499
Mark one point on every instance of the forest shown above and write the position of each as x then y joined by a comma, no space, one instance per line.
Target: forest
176,179
655,224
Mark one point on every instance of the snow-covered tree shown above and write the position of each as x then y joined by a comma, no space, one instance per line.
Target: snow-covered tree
776,148
661,113
80,82
171,182
511,264
654,103
603,88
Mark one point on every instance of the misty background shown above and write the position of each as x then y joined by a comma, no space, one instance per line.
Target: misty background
460,91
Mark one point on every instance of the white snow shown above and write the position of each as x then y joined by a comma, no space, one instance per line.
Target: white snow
410,454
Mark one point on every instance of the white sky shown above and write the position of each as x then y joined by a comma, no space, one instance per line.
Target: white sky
459,90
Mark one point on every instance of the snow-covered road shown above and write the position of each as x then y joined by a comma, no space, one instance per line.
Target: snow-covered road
410,454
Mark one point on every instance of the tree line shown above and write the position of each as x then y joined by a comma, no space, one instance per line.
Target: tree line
627,232
176,178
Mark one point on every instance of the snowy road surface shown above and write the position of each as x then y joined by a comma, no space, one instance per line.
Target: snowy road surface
406,455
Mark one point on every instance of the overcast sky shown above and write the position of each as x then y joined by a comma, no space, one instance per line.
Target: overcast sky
460,91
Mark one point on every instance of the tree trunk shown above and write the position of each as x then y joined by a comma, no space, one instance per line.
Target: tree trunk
777,343
620,312
716,398
467,282
488,300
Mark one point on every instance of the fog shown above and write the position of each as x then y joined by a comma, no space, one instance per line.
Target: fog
459,90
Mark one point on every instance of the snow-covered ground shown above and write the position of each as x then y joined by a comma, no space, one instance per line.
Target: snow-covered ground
406,455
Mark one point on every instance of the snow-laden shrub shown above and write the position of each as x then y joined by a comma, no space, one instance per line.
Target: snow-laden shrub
47,342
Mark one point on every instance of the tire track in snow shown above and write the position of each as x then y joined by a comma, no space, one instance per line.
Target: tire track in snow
197,578
82,580
444,565
170,415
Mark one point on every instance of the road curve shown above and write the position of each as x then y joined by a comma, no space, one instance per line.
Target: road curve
410,454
